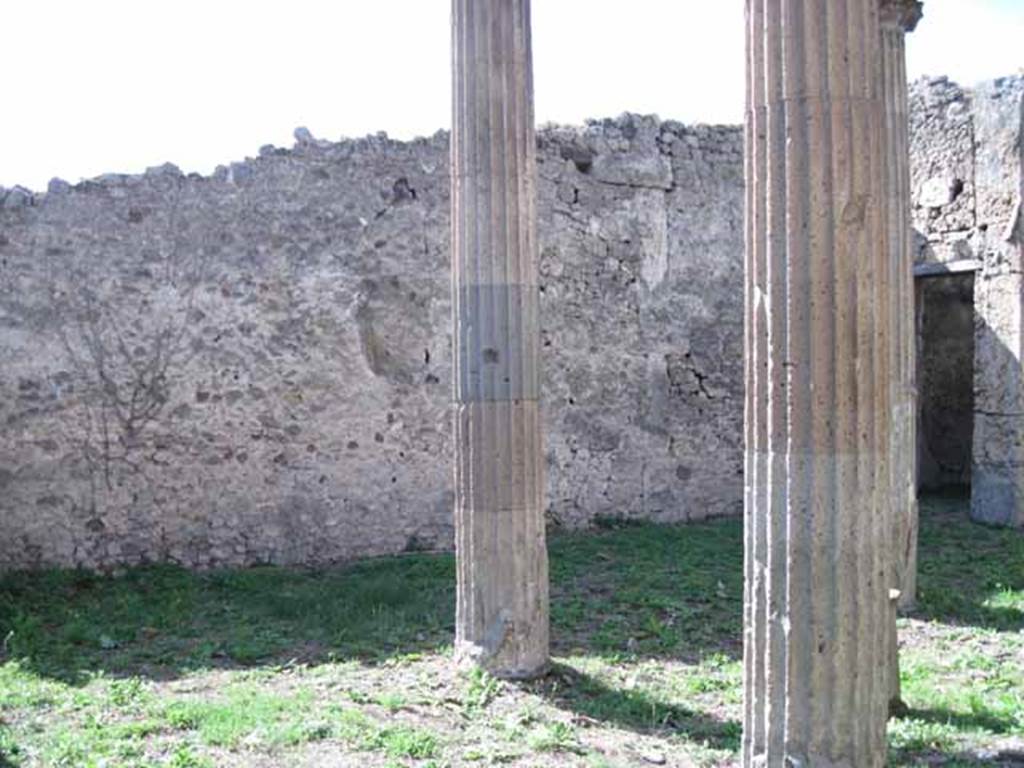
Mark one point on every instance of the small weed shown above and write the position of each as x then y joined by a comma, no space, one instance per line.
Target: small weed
126,692
184,757
395,741
407,742
184,716
556,737
391,701
481,689
527,715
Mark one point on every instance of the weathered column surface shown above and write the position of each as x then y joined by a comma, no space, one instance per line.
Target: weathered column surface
502,595
818,521
897,18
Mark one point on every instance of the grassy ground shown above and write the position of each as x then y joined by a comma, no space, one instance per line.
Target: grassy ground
273,667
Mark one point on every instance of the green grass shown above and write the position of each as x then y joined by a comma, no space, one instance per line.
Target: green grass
969,574
161,667
962,662
167,620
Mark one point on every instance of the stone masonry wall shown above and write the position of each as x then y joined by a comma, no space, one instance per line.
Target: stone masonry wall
967,170
965,166
255,367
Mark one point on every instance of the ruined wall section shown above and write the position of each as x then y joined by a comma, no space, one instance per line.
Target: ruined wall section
967,152
965,167
255,367
997,487
942,170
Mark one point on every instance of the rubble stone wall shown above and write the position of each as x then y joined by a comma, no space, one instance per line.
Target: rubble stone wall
254,367
967,154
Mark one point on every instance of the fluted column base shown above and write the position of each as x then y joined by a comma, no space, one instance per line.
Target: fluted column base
502,596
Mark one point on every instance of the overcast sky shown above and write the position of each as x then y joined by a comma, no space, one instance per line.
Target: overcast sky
95,86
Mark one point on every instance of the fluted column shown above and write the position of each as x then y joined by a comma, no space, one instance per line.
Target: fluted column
818,521
502,592
899,17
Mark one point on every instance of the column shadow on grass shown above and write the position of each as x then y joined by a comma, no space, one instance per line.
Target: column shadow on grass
996,759
590,699
645,591
160,622
974,720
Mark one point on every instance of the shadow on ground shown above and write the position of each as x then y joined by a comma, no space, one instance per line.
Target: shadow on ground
159,622
634,591
591,699
995,759
965,720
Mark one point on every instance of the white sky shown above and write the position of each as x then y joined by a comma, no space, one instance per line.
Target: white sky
95,86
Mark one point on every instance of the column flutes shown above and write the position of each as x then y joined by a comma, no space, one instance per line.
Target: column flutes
502,592
818,525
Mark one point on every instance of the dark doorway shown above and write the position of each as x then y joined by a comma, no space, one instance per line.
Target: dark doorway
945,375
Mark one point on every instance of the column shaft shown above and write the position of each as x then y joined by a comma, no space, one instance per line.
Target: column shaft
502,593
818,387
897,18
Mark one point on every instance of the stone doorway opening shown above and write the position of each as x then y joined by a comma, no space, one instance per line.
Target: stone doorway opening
945,375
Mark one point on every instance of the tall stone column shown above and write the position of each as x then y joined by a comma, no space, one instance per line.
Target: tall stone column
818,519
898,17
502,592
